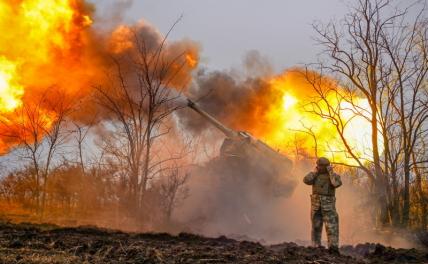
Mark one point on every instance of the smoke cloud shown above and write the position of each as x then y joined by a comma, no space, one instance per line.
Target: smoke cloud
233,98
238,207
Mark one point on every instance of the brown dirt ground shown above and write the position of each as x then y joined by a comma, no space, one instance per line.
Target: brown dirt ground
29,243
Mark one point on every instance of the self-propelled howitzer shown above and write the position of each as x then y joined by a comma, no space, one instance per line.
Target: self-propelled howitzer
244,153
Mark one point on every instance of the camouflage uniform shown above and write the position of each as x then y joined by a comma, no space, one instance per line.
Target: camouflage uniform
323,205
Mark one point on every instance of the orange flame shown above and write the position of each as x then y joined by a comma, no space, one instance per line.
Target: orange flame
44,46
279,116
50,55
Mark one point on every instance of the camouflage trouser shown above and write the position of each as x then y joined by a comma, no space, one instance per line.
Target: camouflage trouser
323,210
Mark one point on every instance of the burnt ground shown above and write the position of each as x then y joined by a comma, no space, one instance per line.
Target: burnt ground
29,243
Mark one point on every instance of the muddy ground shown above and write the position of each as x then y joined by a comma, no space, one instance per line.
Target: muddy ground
29,243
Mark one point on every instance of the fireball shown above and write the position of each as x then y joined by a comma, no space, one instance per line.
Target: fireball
45,50
50,56
288,126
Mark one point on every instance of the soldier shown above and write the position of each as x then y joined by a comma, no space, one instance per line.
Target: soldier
323,203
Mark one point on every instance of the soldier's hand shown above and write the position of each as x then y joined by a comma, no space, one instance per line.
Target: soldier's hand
315,170
330,169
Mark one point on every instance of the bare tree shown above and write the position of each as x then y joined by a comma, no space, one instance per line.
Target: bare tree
379,54
407,64
171,186
140,98
40,132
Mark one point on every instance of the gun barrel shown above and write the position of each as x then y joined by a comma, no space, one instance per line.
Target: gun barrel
227,131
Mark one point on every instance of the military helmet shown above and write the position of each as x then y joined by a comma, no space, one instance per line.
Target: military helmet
323,161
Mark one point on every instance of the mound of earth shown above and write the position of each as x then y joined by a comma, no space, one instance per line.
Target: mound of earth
29,243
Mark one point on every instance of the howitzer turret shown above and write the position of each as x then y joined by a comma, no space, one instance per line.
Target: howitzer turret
261,163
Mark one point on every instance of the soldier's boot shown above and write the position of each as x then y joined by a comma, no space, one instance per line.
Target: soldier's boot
333,250
317,223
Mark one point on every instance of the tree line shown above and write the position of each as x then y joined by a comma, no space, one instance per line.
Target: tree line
378,52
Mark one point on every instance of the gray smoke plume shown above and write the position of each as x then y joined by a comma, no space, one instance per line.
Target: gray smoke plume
113,14
228,95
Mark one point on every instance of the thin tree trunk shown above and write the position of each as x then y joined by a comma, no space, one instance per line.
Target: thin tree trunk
380,183
406,192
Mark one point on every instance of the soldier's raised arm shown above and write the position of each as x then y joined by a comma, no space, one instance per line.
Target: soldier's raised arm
335,179
309,178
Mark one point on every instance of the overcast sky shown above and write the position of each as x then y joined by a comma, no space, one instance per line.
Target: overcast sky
226,29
